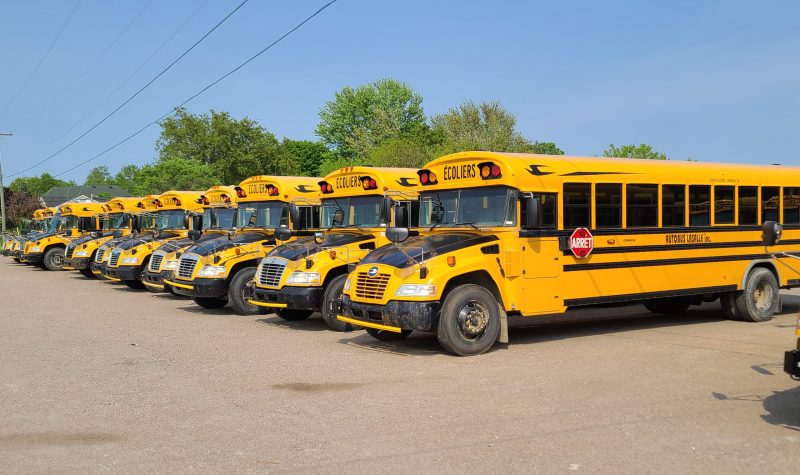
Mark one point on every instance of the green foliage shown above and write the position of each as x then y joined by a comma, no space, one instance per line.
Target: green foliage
99,176
336,163
643,151
306,155
231,149
128,179
20,205
36,186
485,126
412,151
360,119
174,174
545,148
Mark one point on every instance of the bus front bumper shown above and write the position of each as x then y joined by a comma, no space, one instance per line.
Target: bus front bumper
78,263
213,288
156,279
397,314
298,298
791,363
123,272
33,258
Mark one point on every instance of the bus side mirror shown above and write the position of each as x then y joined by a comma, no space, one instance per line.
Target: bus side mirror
533,212
319,238
294,215
771,232
397,235
338,218
194,234
400,216
197,222
283,234
386,209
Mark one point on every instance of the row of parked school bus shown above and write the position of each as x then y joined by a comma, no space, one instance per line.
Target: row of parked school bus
453,248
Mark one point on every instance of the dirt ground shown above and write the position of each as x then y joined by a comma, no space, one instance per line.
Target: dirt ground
95,377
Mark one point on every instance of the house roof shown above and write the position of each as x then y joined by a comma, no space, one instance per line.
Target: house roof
61,194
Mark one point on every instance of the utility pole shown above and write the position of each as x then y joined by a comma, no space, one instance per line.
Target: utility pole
2,188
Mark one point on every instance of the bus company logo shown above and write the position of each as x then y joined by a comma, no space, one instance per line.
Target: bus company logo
304,189
460,172
373,271
258,188
581,243
352,181
405,181
688,238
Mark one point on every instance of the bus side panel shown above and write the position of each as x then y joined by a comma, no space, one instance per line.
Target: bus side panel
541,288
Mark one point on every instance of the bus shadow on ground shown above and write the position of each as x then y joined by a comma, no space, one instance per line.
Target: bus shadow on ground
314,323
782,407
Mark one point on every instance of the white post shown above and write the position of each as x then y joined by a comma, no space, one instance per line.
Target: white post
2,189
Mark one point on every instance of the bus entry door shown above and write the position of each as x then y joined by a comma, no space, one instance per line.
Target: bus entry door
541,265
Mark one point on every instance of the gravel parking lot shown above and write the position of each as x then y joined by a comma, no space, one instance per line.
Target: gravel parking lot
95,377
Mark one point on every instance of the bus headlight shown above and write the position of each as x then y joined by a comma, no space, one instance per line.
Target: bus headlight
212,271
303,278
416,290
171,264
36,249
347,284
81,253
130,260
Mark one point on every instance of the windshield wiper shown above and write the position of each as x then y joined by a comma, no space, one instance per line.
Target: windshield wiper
470,224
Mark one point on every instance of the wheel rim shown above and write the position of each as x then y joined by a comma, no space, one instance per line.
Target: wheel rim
762,296
473,320
58,260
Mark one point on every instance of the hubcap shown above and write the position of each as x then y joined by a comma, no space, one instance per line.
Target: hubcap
762,296
473,318
58,260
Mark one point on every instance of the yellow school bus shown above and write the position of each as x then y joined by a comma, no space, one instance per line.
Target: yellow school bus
115,221
40,220
215,274
177,212
144,207
76,219
219,216
532,235
358,205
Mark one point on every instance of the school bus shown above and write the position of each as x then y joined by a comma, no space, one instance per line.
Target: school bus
142,209
175,215
358,204
115,221
48,223
40,220
517,234
215,274
219,216
47,250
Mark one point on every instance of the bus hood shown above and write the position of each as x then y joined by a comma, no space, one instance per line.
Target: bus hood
422,248
222,243
300,248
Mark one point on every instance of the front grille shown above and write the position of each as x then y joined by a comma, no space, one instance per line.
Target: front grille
371,287
186,265
100,254
271,272
68,252
155,261
113,259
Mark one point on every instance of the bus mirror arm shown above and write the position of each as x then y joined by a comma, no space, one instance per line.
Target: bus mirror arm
533,212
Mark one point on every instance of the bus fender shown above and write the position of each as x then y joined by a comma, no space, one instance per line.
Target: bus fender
502,337
769,264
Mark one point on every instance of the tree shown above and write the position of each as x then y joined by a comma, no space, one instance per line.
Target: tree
99,176
360,119
232,149
36,186
128,179
545,148
174,174
307,156
413,151
634,151
20,205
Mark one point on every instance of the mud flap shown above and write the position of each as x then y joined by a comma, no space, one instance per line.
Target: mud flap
502,337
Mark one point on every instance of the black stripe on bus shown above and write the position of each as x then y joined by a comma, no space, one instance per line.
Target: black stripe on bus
662,230
606,299
662,262
680,247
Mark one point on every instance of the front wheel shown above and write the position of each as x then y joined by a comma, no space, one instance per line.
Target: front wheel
759,300
384,335
54,259
87,273
210,302
329,309
469,323
236,293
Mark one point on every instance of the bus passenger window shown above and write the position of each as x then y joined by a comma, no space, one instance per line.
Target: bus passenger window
791,205
641,206
608,199
699,205
577,205
723,205
549,215
769,203
673,205
748,205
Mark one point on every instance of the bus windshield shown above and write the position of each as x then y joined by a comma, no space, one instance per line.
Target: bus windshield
171,219
361,211
54,223
116,221
68,222
262,214
494,206
219,218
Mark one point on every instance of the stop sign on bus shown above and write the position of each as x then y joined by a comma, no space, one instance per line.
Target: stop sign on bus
581,243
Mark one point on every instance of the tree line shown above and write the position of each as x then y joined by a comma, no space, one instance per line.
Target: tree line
380,124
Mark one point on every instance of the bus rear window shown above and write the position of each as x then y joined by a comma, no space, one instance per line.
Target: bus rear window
577,205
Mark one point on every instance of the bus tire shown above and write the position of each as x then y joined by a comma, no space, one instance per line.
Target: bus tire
17,260
168,289
469,322
333,293
293,314
236,293
134,284
759,300
384,335
87,273
210,302
54,259
667,306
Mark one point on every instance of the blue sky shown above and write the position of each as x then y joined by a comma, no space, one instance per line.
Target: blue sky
712,80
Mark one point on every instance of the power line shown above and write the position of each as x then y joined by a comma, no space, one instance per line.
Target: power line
123,83
41,60
129,99
92,65
240,66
